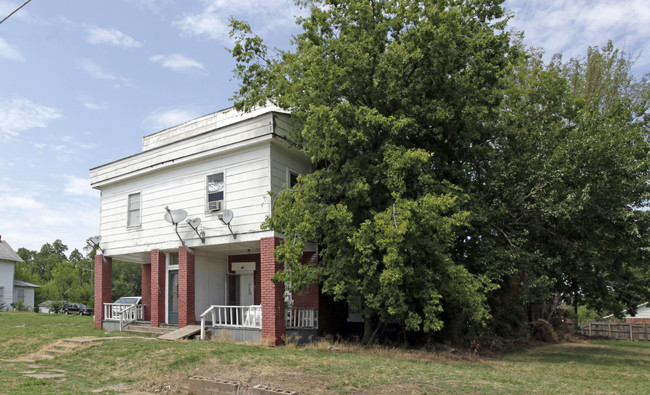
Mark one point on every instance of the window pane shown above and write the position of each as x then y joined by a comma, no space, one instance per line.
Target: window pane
215,197
134,201
133,216
293,179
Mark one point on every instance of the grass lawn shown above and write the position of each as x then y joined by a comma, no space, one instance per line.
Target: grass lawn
136,364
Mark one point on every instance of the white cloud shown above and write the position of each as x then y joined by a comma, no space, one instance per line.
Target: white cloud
163,119
18,115
569,28
95,71
111,36
91,104
79,187
177,62
212,21
33,213
8,52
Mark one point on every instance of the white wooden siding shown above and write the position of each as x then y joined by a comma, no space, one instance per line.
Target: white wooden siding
283,159
643,312
29,296
209,286
193,148
7,282
201,125
183,187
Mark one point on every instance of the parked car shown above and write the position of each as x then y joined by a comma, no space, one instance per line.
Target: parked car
129,300
76,308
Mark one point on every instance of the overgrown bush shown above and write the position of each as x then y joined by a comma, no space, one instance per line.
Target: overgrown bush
542,330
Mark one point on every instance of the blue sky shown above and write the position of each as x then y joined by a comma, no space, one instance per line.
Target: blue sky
81,82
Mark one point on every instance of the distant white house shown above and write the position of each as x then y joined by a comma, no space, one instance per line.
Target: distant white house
13,291
642,315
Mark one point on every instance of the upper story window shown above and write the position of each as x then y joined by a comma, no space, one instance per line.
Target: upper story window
293,179
214,191
133,209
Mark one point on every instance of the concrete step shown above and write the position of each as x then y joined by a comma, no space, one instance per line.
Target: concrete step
148,330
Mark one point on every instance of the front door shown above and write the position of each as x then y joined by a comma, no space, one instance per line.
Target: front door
246,289
172,302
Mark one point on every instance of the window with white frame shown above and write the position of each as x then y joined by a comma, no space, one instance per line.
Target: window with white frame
20,294
133,209
2,294
215,191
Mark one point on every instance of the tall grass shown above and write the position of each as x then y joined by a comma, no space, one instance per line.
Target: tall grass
132,363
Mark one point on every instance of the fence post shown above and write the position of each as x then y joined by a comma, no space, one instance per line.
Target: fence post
609,329
589,329
631,333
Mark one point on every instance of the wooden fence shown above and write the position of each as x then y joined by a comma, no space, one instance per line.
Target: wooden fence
617,330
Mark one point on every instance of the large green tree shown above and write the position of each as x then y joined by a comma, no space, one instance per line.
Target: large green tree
395,103
567,188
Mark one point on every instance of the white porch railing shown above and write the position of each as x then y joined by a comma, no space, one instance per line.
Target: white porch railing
251,317
301,318
124,313
233,317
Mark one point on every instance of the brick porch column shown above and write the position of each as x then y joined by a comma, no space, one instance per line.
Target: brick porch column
308,300
157,288
146,291
273,324
103,286
186,314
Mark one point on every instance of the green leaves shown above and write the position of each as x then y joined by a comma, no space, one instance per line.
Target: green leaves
449,161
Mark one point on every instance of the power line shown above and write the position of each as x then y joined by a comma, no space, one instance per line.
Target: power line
16,10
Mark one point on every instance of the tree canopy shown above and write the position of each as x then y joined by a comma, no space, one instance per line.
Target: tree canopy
70,278
449,161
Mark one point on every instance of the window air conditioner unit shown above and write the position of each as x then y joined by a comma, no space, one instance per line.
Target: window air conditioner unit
214,206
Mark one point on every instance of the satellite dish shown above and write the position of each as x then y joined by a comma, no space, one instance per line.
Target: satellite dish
226,217
175,216
194,223
95,240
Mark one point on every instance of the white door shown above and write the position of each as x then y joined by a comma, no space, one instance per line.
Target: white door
246,289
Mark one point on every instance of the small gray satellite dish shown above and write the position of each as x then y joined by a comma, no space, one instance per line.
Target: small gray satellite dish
226,217
194,223
95,240
175,216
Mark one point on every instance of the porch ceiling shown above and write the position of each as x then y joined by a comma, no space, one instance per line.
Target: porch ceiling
219,250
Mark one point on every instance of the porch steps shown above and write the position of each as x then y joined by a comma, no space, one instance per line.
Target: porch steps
181,333
148,330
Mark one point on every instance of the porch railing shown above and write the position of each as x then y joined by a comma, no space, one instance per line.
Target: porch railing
301,318
233,317
251,317
124,313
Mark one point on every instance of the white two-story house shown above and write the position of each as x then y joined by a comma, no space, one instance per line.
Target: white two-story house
189,209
